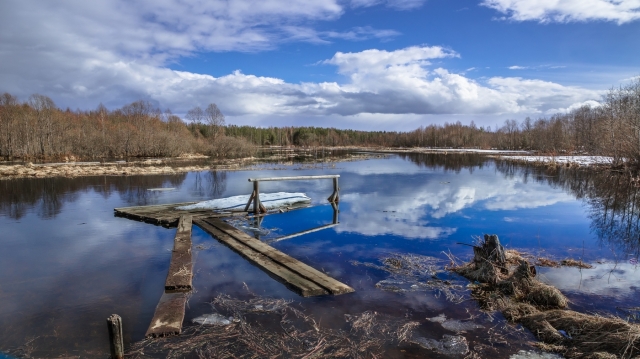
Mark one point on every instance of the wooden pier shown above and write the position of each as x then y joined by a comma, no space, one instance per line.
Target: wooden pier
295,275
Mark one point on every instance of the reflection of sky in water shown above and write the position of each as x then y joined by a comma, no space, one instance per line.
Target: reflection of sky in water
67,263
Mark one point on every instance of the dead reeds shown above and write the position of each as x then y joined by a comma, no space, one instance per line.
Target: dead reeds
511,287
264,327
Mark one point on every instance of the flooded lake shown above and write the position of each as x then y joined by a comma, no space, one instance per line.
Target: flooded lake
67,263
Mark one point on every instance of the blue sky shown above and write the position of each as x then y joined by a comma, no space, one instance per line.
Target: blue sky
364,64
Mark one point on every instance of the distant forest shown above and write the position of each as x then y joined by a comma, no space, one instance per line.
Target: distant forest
38,129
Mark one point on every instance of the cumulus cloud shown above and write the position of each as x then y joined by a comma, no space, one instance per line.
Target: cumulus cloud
117,52
619,11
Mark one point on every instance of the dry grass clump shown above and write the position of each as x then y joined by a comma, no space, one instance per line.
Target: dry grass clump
575,263
586,335
506,282
266,328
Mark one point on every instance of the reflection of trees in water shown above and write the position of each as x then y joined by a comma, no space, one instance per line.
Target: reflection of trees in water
48,195
134,189
210,184
450,162
613,200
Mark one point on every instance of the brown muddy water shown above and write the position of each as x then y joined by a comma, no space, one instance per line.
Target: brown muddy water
67,263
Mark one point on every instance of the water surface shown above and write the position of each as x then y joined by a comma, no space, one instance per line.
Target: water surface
67,263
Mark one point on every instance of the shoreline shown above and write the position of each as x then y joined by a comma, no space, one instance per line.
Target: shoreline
172,165
154,166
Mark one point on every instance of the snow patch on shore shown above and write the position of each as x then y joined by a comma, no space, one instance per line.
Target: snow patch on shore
269,200
580,160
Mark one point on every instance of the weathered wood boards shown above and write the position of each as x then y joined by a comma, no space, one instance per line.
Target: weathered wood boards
296,275
167,319
164,214
169,315
180,273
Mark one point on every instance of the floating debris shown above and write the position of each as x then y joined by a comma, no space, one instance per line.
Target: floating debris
212,319
455,325
523,354
411,273
451,345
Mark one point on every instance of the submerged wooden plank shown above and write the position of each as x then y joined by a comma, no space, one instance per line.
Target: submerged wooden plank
181,268
167,320
302,270
292,280
333,286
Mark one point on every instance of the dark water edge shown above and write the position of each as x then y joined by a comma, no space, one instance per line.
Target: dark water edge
67,263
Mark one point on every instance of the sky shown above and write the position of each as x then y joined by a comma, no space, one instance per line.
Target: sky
390,65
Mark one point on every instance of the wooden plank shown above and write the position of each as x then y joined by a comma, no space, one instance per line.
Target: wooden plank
292,280
167,320
292,178
311,274
181,268
298,234
152,207
166,214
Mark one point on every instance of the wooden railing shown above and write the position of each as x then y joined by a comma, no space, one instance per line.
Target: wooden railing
255,196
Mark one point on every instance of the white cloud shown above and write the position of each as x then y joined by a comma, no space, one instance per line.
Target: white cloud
117,52
516,67
544,11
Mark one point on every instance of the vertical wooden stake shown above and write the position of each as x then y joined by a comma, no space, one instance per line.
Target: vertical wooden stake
114,323
256,198
335,197
335,212
253,194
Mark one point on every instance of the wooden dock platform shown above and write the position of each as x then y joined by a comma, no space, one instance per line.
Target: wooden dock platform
167,215
296,275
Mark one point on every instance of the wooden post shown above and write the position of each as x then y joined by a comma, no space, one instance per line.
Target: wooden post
256,198
114,323
335,197
335,212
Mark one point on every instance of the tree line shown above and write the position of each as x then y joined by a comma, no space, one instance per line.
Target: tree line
38,129
612,129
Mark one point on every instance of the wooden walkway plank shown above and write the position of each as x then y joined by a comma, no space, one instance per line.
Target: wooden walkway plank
167,320
309,273
292,280
165,214
181,267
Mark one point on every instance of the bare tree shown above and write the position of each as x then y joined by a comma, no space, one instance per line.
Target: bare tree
215,120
